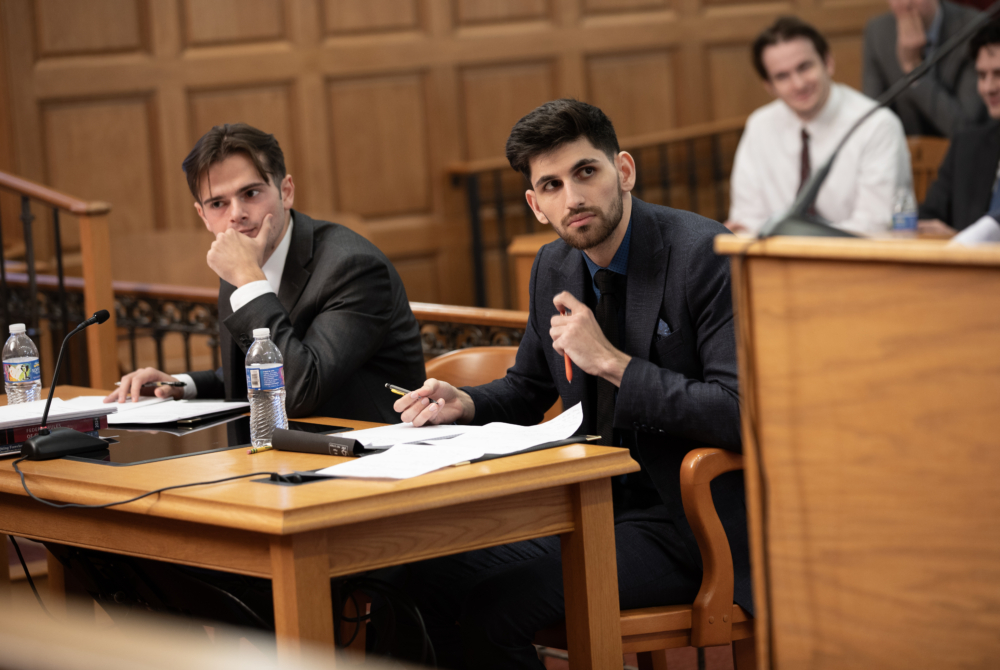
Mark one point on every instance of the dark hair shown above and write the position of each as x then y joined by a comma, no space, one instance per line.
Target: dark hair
555,123
985,36
223,141
786,29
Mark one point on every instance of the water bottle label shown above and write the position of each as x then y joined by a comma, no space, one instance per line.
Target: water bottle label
24,371
266,379
904,221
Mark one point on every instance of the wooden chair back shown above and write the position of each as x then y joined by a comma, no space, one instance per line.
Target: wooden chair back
477,365
926,154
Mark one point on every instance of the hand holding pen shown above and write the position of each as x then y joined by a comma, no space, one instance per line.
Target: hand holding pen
148,382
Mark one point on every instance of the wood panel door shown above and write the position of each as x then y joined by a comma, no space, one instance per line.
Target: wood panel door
370,99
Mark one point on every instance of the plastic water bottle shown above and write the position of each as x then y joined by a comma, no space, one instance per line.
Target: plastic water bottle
22,376
265,388
904,213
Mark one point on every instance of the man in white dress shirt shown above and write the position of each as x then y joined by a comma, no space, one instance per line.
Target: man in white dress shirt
786,139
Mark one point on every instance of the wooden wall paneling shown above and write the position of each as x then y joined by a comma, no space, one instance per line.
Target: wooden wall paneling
71,27
104,149
611,6
9,203
735,88
496,96
846,51
637,91
363,16
469,12
378,131
209,22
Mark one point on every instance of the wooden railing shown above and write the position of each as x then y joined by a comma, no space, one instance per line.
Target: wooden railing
156,311
95,250
687,168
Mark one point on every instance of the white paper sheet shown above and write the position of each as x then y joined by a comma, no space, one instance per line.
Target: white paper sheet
157,410
984,230
30,413
403,461
384,437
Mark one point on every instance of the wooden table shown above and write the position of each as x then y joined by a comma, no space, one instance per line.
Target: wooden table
301,536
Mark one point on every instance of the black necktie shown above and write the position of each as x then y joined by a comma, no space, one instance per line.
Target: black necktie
610,284
805,169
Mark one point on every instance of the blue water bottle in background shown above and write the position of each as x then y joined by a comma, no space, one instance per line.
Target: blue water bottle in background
904,213
22,376
265,388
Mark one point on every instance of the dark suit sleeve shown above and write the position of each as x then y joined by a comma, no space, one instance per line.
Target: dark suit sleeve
949,111
524,394
350,325
657,399
938,203
873,82
209,383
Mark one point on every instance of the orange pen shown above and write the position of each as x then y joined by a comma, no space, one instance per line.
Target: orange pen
569,363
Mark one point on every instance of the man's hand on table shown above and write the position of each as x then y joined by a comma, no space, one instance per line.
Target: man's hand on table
238,258
131,385
435,402
935,228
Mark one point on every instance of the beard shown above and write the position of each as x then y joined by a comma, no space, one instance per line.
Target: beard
593,234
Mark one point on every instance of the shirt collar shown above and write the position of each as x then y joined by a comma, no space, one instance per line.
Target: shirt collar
275,265
619,263
934,30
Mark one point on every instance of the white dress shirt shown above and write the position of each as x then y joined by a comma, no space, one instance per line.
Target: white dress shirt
859,192
273,268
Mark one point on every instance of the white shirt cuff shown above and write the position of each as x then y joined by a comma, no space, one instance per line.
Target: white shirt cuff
190,391
986,229
248,292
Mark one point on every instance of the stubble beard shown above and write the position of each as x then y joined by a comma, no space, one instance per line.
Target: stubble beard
594,234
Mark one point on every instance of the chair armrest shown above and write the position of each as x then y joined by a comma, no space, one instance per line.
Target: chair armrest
711,613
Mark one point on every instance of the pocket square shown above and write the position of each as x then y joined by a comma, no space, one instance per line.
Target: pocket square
662,329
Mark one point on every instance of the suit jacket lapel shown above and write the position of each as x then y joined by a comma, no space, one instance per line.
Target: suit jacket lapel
295,276
647,267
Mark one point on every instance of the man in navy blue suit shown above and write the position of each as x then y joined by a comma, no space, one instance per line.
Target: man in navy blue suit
649,329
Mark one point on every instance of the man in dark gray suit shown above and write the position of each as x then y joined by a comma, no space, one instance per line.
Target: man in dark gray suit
649,330
334,304
943,101
967,185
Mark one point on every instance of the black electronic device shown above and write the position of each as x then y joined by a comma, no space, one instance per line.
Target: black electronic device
333,445
59,442
798,220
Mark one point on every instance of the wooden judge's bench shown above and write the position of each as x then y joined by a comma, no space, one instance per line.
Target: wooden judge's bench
870,382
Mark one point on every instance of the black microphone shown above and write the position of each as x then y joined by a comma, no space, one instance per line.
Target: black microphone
60,442
798,220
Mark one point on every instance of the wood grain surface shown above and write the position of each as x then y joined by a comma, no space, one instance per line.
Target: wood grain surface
870,373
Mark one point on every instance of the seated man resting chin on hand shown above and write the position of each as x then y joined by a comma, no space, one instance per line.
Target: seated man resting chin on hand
334,304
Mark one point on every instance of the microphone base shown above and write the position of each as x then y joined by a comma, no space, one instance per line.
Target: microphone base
60,442
806,226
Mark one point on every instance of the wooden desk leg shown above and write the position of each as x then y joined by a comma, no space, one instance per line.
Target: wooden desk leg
303,609
590,580
56,602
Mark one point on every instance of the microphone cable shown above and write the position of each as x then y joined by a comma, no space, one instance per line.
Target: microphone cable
287,479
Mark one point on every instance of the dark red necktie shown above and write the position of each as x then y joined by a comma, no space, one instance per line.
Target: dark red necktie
804,170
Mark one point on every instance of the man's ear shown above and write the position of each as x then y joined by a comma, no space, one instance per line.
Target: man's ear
201,213
287,192
529,195
626,170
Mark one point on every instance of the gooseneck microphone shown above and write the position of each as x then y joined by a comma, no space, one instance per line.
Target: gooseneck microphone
58,442
798,220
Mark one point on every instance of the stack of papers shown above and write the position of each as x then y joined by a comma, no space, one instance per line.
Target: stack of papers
157,410
441,446
30,413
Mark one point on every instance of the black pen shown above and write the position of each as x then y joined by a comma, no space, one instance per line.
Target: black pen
159,383
397,389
